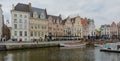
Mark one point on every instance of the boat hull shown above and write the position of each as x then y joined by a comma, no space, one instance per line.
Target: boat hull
109,50
69,45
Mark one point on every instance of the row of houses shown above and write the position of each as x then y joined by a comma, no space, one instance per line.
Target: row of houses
110,30
30,23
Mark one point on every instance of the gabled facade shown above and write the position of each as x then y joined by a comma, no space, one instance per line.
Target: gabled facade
91,27
78,27
118,25
114,30
105,30
85,27
55,26
68,27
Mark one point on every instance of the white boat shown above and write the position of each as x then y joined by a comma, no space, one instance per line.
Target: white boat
111,47
72,44
98,45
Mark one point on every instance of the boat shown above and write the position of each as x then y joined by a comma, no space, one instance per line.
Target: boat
111,47
98,45
72,44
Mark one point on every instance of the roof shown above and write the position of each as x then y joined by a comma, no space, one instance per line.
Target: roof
90,20
55,18
39,11
22,7
106,25
84,21
29,8
113,24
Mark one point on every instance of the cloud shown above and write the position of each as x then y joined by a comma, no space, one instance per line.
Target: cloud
102,11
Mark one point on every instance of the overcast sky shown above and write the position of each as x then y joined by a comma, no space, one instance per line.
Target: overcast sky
102,11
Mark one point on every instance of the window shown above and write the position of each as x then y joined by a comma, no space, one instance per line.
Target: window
20,26
38,33
25,33
20,16
25,39
15,15
31,27
25,27
42,33
35,27
35,15
25,16
38,26
15,20
20,33
35,33
15,33
25,21
42,16
15,26
31,33
20,21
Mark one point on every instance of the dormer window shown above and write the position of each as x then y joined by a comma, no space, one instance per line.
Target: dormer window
35,15
42,16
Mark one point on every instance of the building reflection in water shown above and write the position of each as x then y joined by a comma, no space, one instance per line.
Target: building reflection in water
14,56
59,54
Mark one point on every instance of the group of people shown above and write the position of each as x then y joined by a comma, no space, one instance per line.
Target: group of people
3,39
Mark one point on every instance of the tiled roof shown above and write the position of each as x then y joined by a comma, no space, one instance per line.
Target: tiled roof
113,24
84,21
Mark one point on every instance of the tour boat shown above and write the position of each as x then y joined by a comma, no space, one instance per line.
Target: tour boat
111,47
72,44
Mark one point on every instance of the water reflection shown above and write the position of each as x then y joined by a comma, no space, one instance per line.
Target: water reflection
59,54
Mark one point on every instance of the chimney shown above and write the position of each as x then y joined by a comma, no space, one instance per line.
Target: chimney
30,7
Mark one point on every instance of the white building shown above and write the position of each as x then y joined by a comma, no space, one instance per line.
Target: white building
91,31
20,22
105,30
1,20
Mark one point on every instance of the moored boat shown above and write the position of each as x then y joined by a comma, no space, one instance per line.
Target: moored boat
98,45
72,44
111,47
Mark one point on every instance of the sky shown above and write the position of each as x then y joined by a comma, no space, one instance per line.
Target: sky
102,11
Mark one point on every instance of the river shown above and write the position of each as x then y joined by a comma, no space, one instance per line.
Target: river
59,54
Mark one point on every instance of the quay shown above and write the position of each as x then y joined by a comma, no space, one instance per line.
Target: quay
30,45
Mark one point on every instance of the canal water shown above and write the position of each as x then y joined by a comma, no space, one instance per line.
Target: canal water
59,54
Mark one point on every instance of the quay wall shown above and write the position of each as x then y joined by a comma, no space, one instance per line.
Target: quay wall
26,46
16,46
